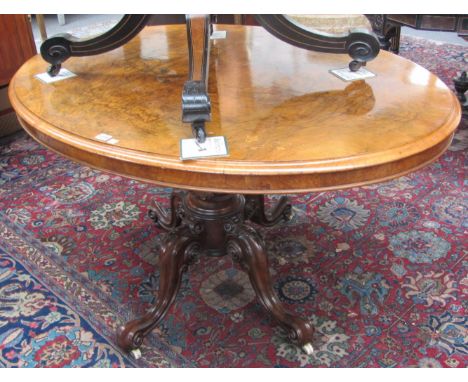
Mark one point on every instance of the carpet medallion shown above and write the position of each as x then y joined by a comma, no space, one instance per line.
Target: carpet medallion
380,270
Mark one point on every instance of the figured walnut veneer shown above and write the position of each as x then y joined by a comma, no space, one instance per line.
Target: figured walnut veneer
291,126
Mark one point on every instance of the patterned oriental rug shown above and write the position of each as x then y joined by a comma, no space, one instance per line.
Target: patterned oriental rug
381,270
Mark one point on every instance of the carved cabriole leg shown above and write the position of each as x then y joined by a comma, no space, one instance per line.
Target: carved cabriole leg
167,220
255,210
247,248
178,250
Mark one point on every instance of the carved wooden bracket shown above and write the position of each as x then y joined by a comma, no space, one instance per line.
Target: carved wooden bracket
196,105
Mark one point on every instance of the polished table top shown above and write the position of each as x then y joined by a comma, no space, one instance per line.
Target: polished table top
291,126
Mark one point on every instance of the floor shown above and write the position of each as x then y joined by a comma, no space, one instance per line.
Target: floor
81,22
448,37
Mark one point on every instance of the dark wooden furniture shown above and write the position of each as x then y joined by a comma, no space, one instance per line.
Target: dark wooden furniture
345,135
361,45
16,47
388,27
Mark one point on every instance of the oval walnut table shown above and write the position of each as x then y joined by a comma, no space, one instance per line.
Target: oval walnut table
291,127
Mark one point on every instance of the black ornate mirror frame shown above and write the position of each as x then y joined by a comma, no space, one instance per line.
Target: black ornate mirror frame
361,45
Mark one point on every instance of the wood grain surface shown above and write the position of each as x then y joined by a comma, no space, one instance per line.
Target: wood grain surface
16,44
291,126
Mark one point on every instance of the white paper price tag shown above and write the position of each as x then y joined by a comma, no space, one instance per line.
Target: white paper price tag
217,35
347,75
212,147
62,75
106,138
103,137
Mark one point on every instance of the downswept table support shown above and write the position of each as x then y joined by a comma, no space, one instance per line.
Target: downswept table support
215,225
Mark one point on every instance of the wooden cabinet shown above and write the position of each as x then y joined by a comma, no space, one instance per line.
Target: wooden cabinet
16,45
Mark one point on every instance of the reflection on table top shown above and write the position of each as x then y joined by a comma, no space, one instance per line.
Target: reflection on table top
278,106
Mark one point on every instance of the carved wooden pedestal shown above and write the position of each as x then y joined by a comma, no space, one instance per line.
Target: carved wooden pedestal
215,225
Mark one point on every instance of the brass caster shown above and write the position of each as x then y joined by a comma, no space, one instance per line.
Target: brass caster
308,349
136,353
